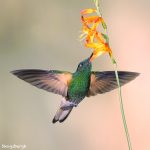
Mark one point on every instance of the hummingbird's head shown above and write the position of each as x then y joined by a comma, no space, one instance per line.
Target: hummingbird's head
85,65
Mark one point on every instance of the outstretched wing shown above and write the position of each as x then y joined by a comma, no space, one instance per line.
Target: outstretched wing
102,82
51,81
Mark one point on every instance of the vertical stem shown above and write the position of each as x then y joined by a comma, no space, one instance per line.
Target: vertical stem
122,108
97,4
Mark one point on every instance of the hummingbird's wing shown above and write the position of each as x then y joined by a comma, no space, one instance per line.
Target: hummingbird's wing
102,82
51,81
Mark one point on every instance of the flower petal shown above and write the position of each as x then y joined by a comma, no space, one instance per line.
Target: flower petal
93,38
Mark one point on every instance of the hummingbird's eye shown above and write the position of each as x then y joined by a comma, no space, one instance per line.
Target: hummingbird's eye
80,65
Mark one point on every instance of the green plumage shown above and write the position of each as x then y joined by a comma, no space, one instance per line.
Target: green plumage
79,85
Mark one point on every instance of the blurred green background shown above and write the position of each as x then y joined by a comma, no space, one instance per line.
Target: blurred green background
44,34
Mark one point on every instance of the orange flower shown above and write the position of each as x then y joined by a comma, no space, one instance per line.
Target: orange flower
88,11
93,38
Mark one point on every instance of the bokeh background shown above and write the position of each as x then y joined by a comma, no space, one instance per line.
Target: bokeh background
44,34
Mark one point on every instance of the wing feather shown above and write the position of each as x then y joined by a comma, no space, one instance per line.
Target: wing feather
102,82
51,81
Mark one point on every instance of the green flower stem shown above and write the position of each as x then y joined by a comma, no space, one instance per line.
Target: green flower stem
122,106
97,4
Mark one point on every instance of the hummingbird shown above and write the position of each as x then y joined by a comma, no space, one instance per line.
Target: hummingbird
74,87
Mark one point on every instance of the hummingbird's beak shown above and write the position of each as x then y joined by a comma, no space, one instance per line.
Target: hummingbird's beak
92,57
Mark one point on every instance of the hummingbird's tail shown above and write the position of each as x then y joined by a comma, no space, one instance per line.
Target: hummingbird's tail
64,111
61,115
